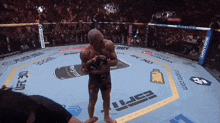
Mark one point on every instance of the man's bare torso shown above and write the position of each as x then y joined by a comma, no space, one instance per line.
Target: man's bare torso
94,51
91,52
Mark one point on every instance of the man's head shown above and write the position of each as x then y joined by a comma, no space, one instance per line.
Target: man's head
15,107
96,38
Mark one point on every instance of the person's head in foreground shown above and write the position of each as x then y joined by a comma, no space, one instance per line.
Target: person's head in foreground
16,107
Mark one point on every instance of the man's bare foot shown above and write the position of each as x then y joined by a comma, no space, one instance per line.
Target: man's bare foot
110,120
92,120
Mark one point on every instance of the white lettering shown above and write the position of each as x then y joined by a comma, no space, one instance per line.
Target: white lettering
73,70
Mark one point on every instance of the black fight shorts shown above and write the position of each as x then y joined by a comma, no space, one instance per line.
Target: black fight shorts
102,82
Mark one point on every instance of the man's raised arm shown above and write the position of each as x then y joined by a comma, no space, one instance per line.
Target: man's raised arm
84,58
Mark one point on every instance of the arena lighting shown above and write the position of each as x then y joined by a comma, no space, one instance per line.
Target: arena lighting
40,9
111,8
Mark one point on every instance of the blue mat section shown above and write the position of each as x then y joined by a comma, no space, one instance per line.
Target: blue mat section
189,93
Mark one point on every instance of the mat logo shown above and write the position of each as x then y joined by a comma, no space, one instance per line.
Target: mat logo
200,81
22,79
22,59
45,60
71,53
75,110
135,100
147,52
67,72
69,49
178,119
122,48
162,57
72,71
145,60
189,64
157,76
119,53
182,83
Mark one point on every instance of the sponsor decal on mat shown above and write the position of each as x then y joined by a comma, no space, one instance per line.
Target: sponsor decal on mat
67,72
75,110
45,60
122,48
22,79
134,100
164,58
178,119
22,59
145,60
200,81
69,49
157,76
180,78
147,52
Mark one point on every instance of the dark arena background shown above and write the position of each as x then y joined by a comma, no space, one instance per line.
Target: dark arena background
168,52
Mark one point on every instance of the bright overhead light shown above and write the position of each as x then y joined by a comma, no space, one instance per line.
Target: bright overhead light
40,8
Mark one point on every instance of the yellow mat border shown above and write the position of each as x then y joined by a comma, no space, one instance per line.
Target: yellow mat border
158,105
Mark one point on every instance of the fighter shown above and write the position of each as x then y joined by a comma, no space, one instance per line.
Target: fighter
96,61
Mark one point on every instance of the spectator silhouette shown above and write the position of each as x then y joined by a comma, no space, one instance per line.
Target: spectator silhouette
24,47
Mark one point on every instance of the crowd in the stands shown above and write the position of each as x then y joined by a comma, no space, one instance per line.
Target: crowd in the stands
198,13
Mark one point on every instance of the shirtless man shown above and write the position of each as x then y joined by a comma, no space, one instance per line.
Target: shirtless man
99,79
